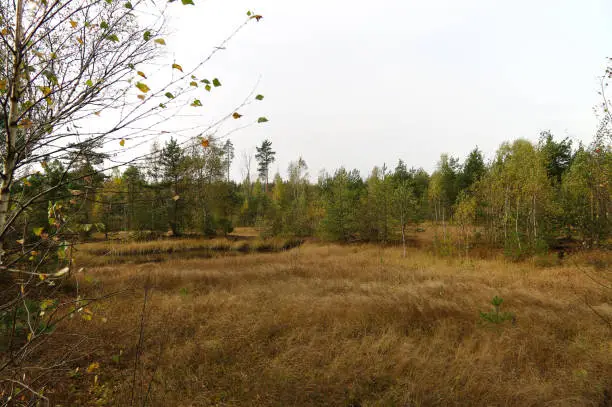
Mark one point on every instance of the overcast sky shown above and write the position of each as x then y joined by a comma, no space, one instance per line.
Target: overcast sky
359,83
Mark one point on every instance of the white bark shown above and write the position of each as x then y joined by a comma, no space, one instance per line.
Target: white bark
10,157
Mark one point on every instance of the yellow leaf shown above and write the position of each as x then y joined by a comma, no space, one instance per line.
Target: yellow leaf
122,142
97,113
92,367
177,66
142,87
20,241
141,97
4,31
73,23
29,336
141,74
42,276
22,289
176,198
205,142
2,84
160,41
236,115
80,40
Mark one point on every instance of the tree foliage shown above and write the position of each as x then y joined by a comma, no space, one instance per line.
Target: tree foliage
265,157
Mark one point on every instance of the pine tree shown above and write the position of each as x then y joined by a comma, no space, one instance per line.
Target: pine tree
265,157
171,162
473,169
557,155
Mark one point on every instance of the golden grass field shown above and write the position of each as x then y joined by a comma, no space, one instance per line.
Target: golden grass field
329,325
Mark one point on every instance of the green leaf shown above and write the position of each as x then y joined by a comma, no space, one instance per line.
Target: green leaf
128,5
162,105
142,87
160,41
104,25
51,77
196,103
216,83
131,66
249,13
206,81
112,37
89,83
37,231
262,120
169,95
177,66
186,2
259,97
208,88
147,35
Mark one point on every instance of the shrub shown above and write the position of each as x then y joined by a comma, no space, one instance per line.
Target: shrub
496,316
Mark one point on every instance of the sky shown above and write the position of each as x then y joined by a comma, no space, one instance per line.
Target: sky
360,84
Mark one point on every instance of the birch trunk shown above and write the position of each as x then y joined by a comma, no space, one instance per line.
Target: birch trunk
10,159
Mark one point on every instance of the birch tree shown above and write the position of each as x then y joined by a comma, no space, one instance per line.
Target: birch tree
77,78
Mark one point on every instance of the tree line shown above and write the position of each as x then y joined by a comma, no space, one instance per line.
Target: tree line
523,199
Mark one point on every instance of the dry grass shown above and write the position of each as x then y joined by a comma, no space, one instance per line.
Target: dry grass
348,326
121,251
